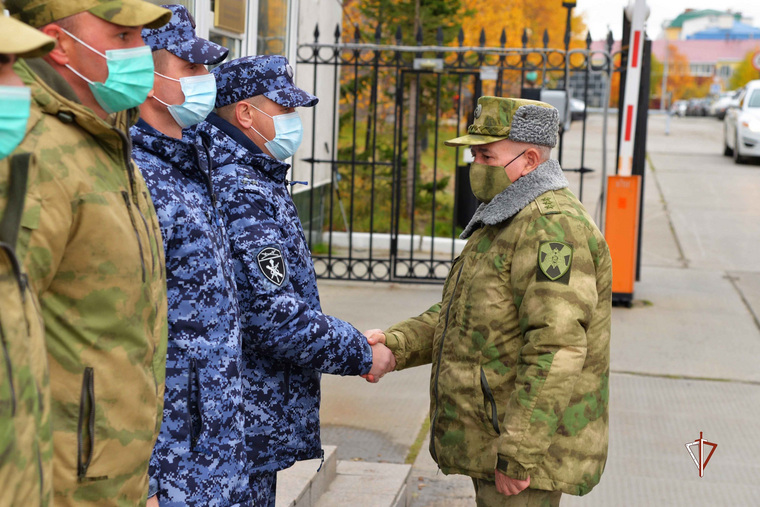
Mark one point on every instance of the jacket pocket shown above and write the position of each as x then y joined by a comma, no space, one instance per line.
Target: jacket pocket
286,383
86,424
194,404
489,404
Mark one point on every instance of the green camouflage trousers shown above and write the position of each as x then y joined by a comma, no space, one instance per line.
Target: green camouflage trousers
486,495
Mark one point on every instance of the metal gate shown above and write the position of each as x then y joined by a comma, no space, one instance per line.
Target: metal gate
397,199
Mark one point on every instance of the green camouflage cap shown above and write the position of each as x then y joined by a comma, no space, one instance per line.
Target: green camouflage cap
18,39
39,13
519,120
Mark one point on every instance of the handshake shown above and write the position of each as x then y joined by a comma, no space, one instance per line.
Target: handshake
383,360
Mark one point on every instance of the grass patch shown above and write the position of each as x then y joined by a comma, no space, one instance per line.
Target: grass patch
414,450
366,176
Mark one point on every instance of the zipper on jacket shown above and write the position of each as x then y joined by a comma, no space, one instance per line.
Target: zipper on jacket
128,203
22,284
488,394
286,375
39,467
86,410
438,366
206,172
127,154
9,369
194,404
147,231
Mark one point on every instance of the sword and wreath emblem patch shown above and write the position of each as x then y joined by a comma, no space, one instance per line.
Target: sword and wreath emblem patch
272,265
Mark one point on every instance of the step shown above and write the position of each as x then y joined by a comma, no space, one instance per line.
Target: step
301,485
366,484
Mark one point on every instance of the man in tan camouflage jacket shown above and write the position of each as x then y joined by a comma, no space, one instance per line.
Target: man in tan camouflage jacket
90,243
519,344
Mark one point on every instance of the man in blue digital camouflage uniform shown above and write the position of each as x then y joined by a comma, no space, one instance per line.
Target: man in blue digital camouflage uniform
199,458
287,340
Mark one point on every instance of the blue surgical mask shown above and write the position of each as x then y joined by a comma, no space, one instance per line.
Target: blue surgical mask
200,97
130,77
288,134
15,102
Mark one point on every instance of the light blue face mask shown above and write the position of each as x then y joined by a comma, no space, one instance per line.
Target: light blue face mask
130,77
200,97
288,134
15,102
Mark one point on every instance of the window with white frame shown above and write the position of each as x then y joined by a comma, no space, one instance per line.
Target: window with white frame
273,22
702,69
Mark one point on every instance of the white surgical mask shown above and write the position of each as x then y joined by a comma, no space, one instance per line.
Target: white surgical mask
288,134
200,97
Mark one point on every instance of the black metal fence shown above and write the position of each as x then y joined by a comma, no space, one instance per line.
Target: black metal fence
397,199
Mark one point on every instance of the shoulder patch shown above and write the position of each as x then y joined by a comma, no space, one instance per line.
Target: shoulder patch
554,261
547,204
272,265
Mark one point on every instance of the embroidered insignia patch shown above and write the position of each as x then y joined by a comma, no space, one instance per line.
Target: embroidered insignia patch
478,110
554,260
272,265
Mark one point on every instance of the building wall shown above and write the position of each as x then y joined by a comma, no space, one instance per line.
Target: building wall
672,33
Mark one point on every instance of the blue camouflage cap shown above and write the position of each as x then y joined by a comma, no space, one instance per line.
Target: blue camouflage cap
178,37
271,76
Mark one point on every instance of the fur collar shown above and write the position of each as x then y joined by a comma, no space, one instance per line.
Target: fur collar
545,177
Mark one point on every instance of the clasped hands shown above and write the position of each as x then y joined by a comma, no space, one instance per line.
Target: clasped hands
383,360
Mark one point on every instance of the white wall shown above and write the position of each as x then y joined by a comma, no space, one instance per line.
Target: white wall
327,13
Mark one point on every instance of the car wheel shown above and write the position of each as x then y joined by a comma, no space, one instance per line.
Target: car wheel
727,152
738,159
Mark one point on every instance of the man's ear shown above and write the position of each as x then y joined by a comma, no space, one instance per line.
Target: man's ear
244,114
63,44
532,160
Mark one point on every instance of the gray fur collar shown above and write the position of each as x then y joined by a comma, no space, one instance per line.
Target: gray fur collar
545,177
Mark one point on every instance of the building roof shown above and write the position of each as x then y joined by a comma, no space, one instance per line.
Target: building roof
697,51
697,13
738,31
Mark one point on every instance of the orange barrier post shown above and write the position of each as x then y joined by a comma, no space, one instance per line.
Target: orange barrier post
621,233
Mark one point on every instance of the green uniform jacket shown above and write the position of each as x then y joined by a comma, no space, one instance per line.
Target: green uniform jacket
520,342
91,244
25,442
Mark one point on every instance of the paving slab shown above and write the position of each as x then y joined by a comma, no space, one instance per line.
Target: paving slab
367,485
375,422
429,487
651,420
304,482
693,323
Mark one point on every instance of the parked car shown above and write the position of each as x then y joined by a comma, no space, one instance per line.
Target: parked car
741,129
720,105
577,109
678,108
696,107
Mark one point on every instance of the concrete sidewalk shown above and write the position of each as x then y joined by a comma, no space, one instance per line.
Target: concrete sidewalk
684,357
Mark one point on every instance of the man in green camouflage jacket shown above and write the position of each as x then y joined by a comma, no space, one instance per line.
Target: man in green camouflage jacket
91,245
519,344
26,449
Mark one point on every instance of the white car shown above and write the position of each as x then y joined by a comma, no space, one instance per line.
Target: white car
719,107
741,131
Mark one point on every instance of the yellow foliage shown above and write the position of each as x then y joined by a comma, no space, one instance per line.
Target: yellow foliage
745,72
513,17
